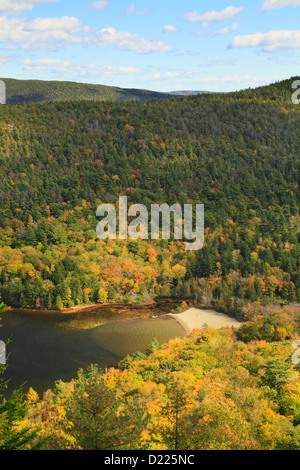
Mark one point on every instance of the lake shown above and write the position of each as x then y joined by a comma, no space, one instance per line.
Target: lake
45,347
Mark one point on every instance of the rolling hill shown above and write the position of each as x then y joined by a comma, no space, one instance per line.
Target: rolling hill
39,91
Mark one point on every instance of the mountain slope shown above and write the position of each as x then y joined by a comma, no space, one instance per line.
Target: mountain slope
38,91
235,153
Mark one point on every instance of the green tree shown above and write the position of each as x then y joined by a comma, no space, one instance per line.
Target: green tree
180,394
102,417
30,236
59,303
12,410
277,373
152,347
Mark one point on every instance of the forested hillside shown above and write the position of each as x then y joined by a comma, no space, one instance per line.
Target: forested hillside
235,153
39,91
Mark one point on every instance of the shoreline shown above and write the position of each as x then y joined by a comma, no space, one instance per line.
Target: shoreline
82,308
164,304
189,320
195,318
159,303
180,322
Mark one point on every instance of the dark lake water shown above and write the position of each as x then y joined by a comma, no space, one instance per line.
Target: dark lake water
44,348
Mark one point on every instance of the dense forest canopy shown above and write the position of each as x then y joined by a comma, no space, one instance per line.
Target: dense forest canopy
236,153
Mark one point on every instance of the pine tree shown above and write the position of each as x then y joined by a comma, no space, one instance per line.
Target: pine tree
152,347
30,236
11,412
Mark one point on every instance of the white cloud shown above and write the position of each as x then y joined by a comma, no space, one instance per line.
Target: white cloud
168,75
6,58
131,11
15,7
218,62
278,4
198,81
76,69
187,53
23,34
228,29
46,64
67,24
219,32
235,79
169,28
53,33
269,42
99,5
165,75
130,42
211,16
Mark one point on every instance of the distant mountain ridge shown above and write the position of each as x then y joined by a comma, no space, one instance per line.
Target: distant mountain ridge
42,91
188,92
39,91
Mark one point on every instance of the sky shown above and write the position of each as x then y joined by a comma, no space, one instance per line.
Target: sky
161,45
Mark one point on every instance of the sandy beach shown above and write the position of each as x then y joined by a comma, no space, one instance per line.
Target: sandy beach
196,318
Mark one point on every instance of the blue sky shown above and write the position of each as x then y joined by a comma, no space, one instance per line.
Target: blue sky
160,45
